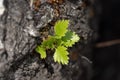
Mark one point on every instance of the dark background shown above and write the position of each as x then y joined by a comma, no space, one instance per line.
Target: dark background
106,59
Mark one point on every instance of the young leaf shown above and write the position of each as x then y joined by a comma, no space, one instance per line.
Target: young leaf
67,36
41,51
75,38
48,43
60,28
70,38
61,55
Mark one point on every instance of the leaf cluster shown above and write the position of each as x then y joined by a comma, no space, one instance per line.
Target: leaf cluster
60,41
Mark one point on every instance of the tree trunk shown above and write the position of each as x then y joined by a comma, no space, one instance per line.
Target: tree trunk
20,28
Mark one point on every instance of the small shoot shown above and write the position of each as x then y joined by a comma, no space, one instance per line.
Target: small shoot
60,41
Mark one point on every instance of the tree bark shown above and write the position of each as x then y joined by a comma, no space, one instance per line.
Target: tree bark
20,27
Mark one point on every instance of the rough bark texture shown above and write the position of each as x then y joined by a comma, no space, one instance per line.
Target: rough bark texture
20,28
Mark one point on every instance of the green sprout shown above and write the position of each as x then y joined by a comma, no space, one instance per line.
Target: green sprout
60,41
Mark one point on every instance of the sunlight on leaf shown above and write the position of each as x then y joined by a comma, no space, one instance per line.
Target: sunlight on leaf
61,28
41,51
61,55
